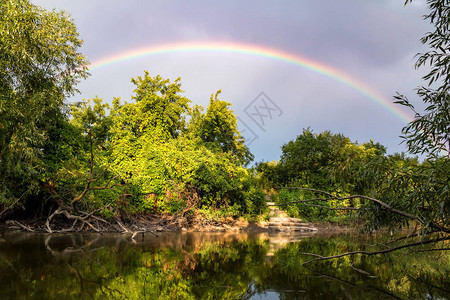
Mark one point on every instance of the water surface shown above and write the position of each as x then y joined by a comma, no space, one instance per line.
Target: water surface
211,266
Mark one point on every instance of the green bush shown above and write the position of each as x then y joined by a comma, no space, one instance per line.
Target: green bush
299,209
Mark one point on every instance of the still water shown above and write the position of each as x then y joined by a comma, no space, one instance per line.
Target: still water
212,266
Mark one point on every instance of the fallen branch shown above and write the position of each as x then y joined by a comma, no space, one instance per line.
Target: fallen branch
13,222
320,257
381,203
122,226
133,233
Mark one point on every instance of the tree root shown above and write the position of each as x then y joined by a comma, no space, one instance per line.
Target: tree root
83,220
133,233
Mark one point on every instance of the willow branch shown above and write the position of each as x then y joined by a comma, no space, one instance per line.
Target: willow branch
331,208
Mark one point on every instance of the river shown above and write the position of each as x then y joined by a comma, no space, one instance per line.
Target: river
212,266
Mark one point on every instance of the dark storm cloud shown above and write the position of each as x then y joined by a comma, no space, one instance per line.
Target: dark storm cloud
372,33
372,41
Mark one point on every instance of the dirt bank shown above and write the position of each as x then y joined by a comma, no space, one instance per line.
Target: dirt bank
139,223
152,223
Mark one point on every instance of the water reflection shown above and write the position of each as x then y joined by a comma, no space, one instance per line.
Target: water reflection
210,266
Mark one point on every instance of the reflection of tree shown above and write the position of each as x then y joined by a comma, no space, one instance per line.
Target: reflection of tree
394,273
180,266
430,231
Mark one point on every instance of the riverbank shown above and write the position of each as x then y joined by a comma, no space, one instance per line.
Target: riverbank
154,223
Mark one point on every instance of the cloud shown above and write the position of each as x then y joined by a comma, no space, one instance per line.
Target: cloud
373,41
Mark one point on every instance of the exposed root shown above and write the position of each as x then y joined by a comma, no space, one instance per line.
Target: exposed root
67,219
84,220
133,233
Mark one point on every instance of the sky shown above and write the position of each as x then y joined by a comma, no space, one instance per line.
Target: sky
283,65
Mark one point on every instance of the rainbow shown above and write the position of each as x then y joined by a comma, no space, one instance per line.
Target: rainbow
262,51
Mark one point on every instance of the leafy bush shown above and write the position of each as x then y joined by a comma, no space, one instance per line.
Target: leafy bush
295,203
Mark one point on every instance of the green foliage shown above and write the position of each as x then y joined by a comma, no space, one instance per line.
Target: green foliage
331,163
419,189
311,159
202,266
217,128
326,161
303,159
159,105
90,117
423,190
78,170
429,132
299,203
39,66
165,162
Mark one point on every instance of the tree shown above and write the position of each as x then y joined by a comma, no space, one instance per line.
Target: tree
160,104
163,157
326,161
411,194
39,66
91,120
429,133
141,129
217,128
307,159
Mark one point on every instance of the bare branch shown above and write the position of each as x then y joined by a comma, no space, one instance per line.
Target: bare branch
306,189
70,217
381,203
331,208
320,257
122,226
88,188
18,224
